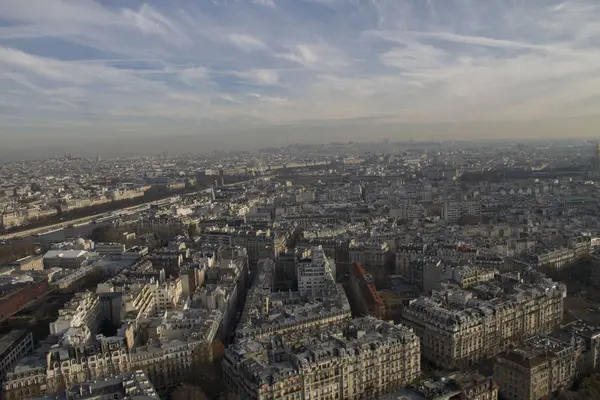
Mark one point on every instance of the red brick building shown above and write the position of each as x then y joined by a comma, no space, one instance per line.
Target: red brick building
14,299
364,292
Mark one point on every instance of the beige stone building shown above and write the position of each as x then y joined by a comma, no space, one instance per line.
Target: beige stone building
469,275
165,338
538,368
459,330
166,362
360,360
369,253
454,386
156,298
269,313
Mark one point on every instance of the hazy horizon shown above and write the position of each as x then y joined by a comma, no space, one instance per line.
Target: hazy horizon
44,146
104,77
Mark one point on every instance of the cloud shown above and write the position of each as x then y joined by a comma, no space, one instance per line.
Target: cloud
57,11
247,42
304,55
51,96
402,36
259,76
194,75
61,71
150,22
97,63
268,3
315,56
414,57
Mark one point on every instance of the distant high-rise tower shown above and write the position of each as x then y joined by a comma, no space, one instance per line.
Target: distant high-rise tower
595,162
596,157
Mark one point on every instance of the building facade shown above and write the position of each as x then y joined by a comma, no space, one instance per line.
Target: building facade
538,368
360,360
459,328
14,346
365,295
315,272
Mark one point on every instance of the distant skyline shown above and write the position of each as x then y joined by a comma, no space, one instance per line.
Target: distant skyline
42,146
246,72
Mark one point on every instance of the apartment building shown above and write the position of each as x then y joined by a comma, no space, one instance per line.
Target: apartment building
13,346
370,254
130,385
259,243
452,211
285,270
170,258
407,211
425,272
469,275
459,328
581,245
199,325
68,279
595,270
109,249
27,379
71,259
538,368
167,364
268,313
365,294
165,344
155,298
359,360
29,263
331,245
490,261
16,296
81,315
556,259
590,334
218,297
453,386
69,363
315,272
12,219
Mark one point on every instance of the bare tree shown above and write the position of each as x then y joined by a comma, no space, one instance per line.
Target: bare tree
189,392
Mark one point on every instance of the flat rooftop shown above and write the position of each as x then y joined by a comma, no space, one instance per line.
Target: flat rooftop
11,337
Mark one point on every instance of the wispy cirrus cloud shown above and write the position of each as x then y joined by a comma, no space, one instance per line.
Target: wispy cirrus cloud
247,42
194,75
288,61
259,76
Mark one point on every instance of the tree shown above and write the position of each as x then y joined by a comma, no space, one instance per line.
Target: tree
228,396
588,389
207,375
192,230
468,220
189,392
218,349
13,251
106,234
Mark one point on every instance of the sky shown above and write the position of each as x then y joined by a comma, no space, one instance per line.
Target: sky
107,69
